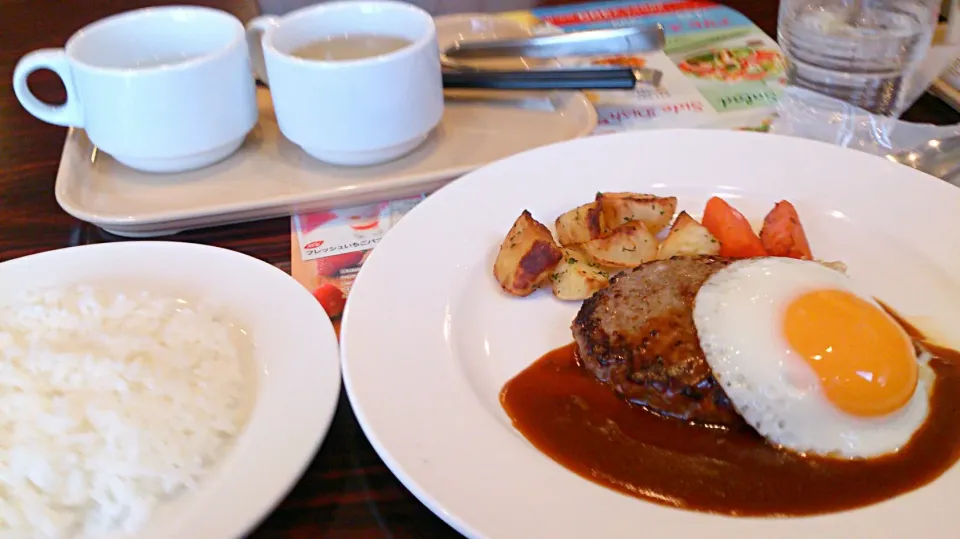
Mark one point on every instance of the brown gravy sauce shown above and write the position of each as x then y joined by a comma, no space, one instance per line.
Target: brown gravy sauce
583,425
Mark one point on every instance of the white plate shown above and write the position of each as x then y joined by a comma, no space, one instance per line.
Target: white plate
425,390
271,177
298,375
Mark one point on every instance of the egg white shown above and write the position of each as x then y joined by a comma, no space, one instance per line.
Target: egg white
738,314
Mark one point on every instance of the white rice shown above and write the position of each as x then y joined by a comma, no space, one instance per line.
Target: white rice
109,403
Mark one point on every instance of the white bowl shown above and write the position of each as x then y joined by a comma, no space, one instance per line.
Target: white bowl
298,382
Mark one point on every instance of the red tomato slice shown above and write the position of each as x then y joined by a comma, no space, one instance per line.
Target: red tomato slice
732,230
783,235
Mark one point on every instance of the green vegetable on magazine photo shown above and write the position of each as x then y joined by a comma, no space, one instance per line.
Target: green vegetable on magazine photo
734,64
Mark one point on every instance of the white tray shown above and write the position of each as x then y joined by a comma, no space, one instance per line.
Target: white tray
271,177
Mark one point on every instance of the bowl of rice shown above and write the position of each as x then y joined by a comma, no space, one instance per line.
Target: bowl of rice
156,390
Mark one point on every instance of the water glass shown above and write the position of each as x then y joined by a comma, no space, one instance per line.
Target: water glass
860,51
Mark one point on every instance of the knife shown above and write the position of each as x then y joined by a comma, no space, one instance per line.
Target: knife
605,42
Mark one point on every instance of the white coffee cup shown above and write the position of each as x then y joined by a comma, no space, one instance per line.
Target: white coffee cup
351,112
162,89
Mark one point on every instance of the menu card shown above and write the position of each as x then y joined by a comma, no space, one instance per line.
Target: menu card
719,71
328,247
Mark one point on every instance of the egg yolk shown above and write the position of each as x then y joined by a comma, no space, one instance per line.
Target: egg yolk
865,361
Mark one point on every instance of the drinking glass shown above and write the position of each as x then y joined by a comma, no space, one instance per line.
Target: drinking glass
860,51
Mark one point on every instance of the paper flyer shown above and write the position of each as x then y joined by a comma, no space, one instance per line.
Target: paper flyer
328,247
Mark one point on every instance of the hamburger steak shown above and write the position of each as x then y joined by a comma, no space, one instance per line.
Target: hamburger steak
638,336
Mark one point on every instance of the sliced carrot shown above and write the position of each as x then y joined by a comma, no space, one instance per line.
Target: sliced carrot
783,235
732,230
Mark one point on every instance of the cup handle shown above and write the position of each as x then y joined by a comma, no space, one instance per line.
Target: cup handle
256,28
69,114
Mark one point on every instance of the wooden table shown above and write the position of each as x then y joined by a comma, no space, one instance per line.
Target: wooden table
347,491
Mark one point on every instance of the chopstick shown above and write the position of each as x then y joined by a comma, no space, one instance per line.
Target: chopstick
547,79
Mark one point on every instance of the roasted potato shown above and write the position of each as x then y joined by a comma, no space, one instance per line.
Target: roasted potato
653,211
687,237
627,246
581,224
575,278
527,257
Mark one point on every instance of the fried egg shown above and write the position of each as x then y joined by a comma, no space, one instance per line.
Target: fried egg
810,360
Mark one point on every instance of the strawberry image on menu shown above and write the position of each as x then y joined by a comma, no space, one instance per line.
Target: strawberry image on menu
331,265
331,298
312,221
